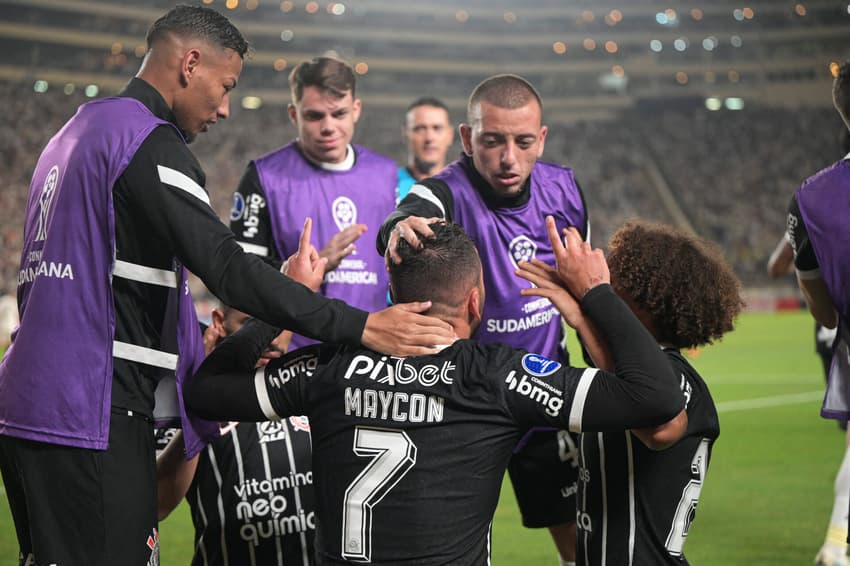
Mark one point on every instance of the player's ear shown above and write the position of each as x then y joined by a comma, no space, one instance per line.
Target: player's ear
217,320
474,305
293,114
465,131
543,131
356,109
189,64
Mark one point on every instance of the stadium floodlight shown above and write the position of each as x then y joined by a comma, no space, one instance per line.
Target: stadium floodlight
656,45
251,102
713,103
40,86
91,90
734,103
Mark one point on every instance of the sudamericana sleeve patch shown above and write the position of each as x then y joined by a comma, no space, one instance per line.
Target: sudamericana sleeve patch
538,365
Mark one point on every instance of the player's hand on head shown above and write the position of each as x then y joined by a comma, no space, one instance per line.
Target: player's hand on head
400,331
341,245
305,265
549,285
410,230
579,266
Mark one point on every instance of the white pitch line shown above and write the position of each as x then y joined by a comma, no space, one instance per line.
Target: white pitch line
776,401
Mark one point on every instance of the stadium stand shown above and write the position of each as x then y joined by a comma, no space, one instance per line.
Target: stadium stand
627,108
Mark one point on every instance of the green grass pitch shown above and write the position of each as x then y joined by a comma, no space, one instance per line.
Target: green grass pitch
768,494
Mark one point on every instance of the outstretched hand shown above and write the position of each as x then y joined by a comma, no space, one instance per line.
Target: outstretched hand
341,245
549,286
409,230
400,331
305,265
579,266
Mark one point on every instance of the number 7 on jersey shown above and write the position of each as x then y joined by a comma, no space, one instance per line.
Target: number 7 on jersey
393,455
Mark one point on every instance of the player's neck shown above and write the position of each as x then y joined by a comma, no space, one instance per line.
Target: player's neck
421,171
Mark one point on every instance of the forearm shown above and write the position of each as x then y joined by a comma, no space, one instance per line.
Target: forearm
818,300
223,387
174,475
186,226
643,392
594,346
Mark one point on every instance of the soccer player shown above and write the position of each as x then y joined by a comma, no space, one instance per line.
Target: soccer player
428,134
345,188
250,490
818,232
500,194
409,453
116,209
639,489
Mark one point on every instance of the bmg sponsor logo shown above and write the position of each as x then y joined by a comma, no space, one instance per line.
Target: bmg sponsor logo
251,214
301,365
537,391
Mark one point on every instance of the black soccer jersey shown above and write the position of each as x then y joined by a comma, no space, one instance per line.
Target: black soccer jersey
636,505
420,426
409,454
252,497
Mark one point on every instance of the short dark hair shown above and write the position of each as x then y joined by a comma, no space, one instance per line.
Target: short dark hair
504,91
441,270
680,280
328,74
198,21
427,101
841,92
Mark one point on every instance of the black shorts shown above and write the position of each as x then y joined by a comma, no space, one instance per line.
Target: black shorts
82,507
544,474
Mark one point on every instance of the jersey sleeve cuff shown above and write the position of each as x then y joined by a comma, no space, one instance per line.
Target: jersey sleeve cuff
263,395
808,274
254,248
579,399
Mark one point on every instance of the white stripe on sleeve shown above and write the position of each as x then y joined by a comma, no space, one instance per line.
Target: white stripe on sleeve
145,274
577,409
183,182
809,274
425,193
254,248
263,395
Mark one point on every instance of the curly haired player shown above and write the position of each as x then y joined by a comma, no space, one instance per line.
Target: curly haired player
636,500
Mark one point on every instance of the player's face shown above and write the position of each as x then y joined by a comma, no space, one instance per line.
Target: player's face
206,98
325,123
429,136
504,144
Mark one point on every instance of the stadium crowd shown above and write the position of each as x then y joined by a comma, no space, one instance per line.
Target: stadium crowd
732,173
